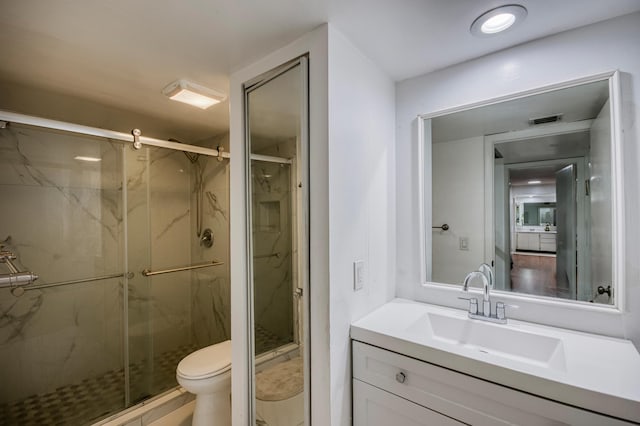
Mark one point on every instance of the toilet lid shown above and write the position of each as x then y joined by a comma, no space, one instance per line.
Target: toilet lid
280,382
206,362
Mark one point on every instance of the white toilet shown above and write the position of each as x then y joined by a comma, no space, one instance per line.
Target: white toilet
280,394
207,374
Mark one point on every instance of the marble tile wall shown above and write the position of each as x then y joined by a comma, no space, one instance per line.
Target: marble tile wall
272,248
211,290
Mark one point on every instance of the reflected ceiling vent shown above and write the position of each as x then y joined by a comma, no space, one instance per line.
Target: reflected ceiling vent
545,120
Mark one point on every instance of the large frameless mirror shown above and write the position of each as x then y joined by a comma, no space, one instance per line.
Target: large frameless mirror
276,119
529,185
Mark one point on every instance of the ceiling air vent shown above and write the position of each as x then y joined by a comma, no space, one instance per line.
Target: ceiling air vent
545,120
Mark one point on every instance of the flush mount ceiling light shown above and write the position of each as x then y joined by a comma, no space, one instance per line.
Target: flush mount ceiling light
498,20
193,94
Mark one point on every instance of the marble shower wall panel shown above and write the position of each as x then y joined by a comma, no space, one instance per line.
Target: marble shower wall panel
273,285
211,290
170,196
64,218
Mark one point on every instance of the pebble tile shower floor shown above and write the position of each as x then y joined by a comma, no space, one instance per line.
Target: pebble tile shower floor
92,399
86,402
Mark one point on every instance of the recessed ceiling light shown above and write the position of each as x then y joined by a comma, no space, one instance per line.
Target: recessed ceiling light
193,94
533,182
498,20
88,159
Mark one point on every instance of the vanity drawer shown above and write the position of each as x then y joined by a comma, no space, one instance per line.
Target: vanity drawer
375,407
464,398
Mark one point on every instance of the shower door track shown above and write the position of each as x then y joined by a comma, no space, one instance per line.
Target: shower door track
104,133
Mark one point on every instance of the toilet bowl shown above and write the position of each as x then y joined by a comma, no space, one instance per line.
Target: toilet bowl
207,374
279,394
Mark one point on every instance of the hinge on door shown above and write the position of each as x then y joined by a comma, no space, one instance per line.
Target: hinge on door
587,187
297,292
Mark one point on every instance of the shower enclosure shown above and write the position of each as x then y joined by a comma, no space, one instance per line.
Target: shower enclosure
130,248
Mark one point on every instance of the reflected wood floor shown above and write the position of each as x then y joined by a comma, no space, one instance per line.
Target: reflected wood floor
532,274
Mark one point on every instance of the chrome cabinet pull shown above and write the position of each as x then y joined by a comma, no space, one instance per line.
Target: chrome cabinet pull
401,377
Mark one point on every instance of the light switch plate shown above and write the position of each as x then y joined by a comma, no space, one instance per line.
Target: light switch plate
358,275
464,243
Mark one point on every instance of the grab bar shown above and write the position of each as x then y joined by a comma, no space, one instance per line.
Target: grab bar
263,256
148,273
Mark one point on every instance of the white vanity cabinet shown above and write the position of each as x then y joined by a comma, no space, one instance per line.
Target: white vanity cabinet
536,241
393,389
528,241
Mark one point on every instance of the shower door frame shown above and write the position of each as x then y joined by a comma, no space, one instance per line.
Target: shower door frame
301,198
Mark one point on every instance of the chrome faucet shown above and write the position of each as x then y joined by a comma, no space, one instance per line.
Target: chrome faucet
485,273
488,286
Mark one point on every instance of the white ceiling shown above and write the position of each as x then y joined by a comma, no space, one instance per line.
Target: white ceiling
121,53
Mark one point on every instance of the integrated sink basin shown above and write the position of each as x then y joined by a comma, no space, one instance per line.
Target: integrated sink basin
585,370
494,339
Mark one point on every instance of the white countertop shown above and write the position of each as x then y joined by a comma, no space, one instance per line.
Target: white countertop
599,373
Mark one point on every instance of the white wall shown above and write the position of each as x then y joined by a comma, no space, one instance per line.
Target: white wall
589,50
458,201
361,202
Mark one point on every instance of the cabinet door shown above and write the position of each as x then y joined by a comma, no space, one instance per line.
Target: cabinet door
528,241
522,242
375,407
548,242
534,241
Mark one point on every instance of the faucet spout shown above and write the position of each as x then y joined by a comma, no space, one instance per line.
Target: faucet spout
471,276
488,273
486,304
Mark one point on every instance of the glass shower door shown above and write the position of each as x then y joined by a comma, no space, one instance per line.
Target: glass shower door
173,309
105,227
61,340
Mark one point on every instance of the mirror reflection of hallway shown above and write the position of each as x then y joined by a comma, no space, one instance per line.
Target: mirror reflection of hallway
545,226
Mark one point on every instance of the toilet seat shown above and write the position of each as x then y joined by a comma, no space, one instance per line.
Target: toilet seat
206,362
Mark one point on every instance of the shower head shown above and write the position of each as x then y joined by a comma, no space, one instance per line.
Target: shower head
190,155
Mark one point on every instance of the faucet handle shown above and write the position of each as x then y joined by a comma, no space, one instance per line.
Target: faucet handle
500,309
473,304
